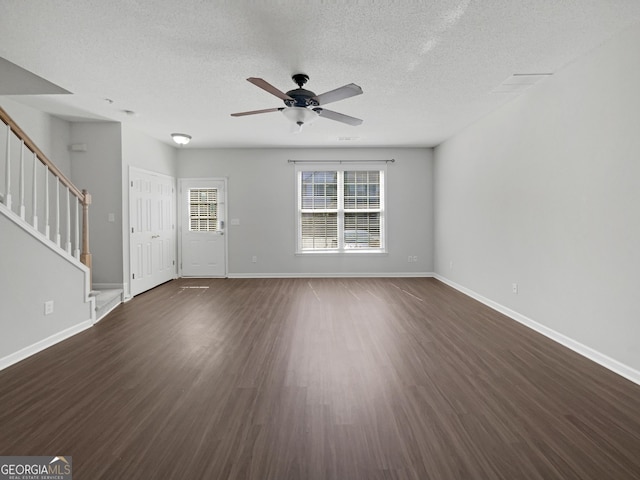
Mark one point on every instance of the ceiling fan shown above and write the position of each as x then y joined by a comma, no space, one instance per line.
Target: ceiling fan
303,106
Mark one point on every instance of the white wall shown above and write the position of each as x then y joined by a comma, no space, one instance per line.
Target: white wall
49,133
546,193
30,274
262,196
141,151
99,170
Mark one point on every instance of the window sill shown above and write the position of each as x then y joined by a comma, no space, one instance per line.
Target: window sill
341,253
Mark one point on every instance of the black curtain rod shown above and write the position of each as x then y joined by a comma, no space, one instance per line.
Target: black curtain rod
392,160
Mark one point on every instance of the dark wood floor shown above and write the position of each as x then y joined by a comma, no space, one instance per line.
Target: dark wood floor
318,379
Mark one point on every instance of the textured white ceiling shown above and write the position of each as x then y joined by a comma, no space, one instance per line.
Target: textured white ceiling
427,68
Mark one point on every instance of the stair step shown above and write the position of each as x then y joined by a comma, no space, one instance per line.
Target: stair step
106,300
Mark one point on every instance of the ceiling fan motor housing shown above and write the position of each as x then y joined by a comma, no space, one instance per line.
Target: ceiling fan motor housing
301,98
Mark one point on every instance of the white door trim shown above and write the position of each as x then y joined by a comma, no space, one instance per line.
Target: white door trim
181,182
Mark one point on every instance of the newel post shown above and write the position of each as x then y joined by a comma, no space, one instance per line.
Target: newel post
85,255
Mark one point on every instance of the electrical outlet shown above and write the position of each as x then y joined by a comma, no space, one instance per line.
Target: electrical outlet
254,259
415,259
514,288
451,265
48,307
410,259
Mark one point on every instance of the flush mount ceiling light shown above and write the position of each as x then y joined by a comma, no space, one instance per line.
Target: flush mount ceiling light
181,138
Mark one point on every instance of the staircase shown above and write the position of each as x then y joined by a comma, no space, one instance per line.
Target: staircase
45,266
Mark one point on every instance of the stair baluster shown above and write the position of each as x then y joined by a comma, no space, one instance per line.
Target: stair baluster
34,199
47,228
76,230
58,213
7,171
21,181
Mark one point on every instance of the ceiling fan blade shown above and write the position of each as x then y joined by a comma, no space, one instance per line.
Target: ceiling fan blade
338,117
266,86
346,91
253,112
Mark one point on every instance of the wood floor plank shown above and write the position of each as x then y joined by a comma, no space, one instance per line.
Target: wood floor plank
363,378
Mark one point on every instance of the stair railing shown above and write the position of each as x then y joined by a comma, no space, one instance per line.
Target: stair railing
66,227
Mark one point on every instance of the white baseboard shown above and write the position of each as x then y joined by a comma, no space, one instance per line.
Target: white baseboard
588,352
42,344
330,275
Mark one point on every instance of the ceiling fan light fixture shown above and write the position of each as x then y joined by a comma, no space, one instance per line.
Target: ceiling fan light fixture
181,138
300,115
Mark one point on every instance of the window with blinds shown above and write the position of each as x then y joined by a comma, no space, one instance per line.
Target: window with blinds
340,210
203,209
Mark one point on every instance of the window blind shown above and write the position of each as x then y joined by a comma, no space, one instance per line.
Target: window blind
340,210
203,209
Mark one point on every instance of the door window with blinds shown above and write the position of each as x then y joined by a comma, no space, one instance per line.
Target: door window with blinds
340,210
203,209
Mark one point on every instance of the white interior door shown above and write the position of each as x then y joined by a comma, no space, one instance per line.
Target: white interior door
203,244
152,229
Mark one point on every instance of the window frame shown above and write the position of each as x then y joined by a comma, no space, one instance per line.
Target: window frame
340,168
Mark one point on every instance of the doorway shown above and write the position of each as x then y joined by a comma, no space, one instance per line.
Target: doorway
151,229
203,240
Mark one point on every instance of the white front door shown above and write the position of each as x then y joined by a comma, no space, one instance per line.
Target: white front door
152,229
202,228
